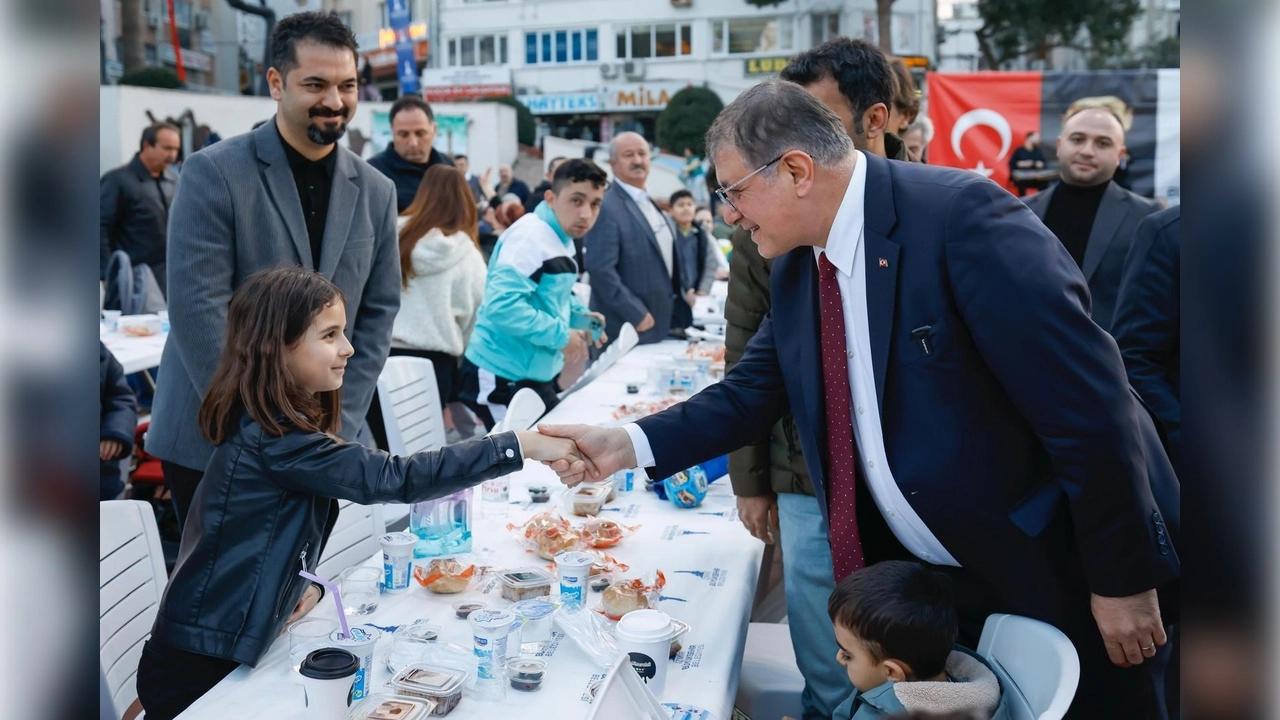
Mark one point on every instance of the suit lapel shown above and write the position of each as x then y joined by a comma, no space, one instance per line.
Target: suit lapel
1110,214
342,198
796,333
881,264
1039,203
283,191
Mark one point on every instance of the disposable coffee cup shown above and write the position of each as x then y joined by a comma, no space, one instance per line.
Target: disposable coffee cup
397,560
645,637
489,631
575,569
359,643
327,677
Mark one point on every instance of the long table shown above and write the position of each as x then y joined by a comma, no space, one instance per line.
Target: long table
134,354
710,562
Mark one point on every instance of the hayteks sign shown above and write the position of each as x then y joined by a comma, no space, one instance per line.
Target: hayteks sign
639,97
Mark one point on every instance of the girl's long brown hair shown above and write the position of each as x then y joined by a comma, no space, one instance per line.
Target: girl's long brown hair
269,314
444,201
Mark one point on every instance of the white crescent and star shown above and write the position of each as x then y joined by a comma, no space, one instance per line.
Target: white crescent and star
974,118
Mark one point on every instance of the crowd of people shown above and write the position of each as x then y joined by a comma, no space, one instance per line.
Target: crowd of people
942,402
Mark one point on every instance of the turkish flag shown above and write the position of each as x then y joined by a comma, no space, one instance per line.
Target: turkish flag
979,119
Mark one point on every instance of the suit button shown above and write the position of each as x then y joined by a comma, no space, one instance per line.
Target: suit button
1164,549
1155,516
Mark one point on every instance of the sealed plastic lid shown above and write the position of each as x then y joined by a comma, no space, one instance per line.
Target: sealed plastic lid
329,664
533,609
359,637
575,559
491,619
399,707
527,577
645,625
589,492
435,680
398,540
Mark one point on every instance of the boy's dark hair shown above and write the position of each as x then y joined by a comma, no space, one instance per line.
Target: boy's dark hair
575,171
320,27
904,94
900,610
860,70
459,156
680,194
268,315
151,134
409,102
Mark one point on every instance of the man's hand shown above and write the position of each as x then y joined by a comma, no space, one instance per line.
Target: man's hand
604,450
691,297
110,449
576,349
1130,626
604,337
759,515
305,603
646,323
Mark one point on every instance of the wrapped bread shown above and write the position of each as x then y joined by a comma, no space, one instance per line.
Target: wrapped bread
600,533
445,577
624,596
554,540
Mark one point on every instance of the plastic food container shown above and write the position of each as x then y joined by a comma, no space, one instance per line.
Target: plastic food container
680,628
464,608
588,500
439,684
525,674
392,707
526,583
611,492
539,493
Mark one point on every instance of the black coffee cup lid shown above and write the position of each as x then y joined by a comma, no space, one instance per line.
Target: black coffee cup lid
329,664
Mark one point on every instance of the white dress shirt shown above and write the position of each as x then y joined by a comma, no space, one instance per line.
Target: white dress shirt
846,251
657,223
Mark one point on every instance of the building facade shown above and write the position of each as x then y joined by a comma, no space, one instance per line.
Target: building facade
198,39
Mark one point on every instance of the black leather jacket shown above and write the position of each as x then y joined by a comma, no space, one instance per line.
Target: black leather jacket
259,516
135,214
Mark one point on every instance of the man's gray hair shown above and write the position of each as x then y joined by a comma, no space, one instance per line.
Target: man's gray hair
776,117
613,144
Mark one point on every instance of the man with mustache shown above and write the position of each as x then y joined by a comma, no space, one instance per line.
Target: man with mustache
1093,217
283,194
629,254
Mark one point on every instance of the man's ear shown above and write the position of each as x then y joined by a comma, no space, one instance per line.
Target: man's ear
896,670
875,120
548,196
275,81
799,166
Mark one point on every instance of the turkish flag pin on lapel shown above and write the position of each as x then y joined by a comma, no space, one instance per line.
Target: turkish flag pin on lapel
884,263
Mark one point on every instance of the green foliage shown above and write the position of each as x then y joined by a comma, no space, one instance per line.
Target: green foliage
525,127
686,119
1162,53
156,77
1018,28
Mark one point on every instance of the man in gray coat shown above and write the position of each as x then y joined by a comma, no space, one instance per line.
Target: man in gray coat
1092,216
283,194
629,254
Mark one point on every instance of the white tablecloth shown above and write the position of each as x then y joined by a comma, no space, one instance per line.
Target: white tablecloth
710,562
134,354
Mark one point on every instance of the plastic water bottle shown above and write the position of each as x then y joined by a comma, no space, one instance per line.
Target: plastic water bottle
494,497
443,525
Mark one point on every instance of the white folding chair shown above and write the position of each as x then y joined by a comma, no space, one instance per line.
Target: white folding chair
1037,665
411,414
522,412
627,339
770,684
131,580
353,540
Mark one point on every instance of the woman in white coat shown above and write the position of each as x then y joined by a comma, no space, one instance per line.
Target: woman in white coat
443,274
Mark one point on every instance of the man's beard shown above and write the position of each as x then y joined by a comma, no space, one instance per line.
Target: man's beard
321,136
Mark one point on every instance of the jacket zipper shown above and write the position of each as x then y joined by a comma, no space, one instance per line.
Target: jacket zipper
302,560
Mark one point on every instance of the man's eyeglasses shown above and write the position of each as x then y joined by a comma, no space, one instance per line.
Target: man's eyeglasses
723,193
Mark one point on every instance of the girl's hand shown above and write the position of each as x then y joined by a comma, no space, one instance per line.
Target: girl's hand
305,603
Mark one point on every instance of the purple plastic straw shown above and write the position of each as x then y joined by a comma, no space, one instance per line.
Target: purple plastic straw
337,598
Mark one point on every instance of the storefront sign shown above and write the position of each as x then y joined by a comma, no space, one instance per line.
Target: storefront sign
448,84
562,103
764,66
638,97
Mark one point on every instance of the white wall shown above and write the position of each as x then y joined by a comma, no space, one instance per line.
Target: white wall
663,179
491,132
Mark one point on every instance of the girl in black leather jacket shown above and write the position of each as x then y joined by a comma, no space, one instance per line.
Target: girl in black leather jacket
259,514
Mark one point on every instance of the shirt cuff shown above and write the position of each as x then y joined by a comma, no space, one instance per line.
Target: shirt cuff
640,443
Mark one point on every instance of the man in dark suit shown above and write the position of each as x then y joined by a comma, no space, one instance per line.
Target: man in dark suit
629,254
954,400
1092,216
283,194
1148,324
135,201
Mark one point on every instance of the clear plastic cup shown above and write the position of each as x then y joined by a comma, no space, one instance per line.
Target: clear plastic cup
410,643
360,587
306,635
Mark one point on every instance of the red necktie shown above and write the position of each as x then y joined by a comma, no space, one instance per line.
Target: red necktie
842,453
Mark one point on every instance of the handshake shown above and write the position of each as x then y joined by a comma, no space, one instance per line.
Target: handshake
579,452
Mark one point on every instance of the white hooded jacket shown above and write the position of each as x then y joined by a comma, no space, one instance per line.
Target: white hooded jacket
438,308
